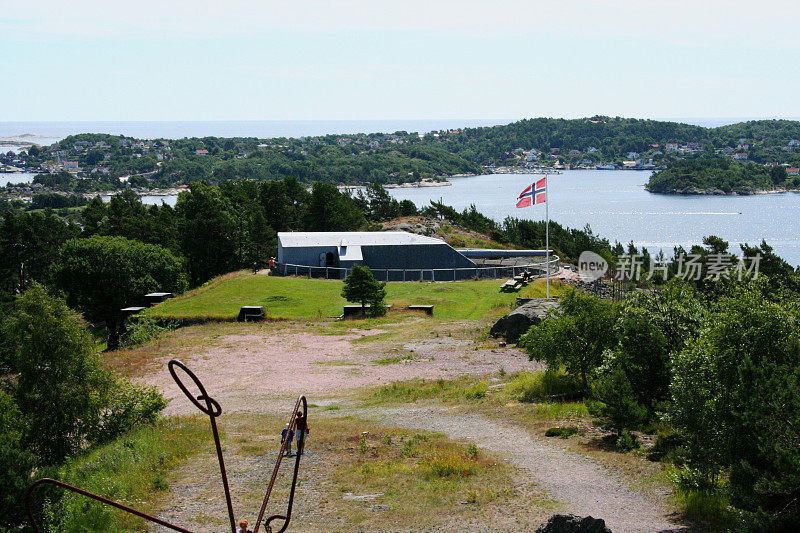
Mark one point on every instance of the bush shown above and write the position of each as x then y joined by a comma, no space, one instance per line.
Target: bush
16,463
626,442
563,433
131,405
143,330
668,448
615,406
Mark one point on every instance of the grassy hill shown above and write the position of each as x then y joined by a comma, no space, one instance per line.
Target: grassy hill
302,298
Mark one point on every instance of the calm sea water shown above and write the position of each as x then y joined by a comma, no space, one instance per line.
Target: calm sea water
16,177
616,206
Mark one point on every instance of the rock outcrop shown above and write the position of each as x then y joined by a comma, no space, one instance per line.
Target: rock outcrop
567,523
516,323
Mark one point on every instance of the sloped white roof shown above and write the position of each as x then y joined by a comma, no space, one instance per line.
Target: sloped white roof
294,239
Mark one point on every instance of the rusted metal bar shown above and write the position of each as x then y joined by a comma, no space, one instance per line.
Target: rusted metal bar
286,518
209,406
213,410
94,497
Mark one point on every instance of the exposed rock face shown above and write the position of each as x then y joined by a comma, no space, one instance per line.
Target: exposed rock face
567,523
517,322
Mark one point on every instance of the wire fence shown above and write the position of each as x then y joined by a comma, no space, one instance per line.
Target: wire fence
538,269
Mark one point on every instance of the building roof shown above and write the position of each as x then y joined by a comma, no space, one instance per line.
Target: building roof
351,238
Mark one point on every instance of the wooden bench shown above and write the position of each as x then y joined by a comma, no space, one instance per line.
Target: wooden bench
351,311
128,311
250,312
428,309
157,297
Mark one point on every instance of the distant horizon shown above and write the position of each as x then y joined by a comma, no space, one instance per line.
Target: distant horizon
174,129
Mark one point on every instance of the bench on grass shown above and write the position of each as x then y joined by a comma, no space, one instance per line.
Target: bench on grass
250,312
428,309
157,297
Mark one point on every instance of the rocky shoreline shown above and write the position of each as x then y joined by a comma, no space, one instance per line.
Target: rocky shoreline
713,191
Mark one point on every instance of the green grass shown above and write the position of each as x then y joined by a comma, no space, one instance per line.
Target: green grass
303,298
133,470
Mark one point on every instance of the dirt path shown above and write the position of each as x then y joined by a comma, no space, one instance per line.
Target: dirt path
583,486
263,368
331,366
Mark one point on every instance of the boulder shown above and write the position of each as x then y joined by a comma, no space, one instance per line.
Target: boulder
567,523
517,322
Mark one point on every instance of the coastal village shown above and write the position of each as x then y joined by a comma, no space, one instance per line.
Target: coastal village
156,166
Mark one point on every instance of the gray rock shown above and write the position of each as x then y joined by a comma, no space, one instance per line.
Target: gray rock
567,523
516,323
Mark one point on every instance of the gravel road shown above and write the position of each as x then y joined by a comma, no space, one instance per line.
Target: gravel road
583,486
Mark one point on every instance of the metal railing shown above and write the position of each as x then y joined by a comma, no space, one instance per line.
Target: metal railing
539,269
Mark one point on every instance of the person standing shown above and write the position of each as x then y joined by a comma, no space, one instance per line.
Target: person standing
286,436
302,430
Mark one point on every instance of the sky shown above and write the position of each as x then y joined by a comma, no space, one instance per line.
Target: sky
411,59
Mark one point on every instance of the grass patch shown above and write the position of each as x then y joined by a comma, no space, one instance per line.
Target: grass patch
303,298
394,360
134,470
463,388
335,362
421,477
529,387
707,506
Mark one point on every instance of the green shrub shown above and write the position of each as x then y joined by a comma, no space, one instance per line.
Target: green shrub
143,330
668,448
130,405
476,391
562,432
626,442
615,406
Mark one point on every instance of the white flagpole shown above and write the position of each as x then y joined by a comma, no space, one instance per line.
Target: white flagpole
547,229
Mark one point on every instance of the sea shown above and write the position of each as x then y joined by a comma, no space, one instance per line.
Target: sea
614,204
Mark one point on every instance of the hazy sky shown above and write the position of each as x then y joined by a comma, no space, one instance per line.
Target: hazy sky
297,60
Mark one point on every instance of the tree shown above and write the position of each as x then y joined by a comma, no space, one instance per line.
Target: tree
651,329
16,463
61,385
575,336
362,287
62,399
736,398
330,210
208,232
29,244
101,275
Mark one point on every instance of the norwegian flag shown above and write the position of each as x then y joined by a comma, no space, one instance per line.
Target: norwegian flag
536,193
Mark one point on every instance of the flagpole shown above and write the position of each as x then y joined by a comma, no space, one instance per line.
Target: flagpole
547,230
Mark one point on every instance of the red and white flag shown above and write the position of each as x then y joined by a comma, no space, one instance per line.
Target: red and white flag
535,193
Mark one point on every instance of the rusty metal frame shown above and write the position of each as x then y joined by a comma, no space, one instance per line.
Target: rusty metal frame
209,406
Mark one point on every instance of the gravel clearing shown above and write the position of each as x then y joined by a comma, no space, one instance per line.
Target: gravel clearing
258,370
583,486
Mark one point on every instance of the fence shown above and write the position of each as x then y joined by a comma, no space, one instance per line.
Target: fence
538,269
